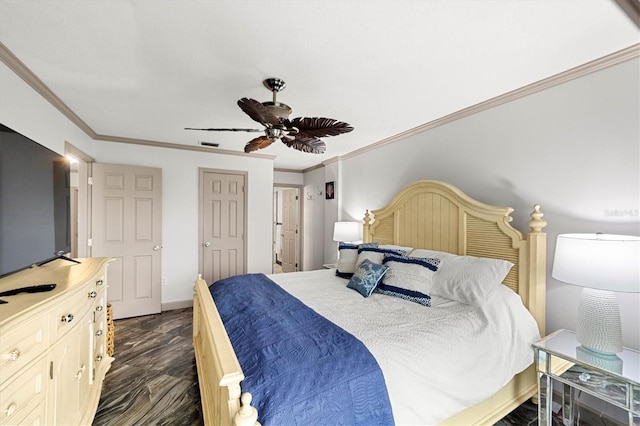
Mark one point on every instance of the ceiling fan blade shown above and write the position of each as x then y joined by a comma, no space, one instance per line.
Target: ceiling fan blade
257,143
259,112
317,127
305,144
225,130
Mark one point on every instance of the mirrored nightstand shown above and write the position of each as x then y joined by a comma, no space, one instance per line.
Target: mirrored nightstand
566,369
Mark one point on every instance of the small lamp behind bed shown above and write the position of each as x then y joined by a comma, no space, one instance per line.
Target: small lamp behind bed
347,232
602,264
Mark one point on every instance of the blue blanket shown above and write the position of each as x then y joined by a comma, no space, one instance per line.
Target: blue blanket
299,367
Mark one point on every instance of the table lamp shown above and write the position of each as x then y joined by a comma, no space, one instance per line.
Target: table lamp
601,264
347,232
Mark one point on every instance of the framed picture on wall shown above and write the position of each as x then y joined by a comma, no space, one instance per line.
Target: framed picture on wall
329,190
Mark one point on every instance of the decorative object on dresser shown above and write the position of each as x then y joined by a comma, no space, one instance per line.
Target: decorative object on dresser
426,214
53,350
602,264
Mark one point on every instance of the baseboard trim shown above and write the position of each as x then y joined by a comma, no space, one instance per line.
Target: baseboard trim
180,304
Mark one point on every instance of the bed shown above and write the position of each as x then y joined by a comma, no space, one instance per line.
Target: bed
428,215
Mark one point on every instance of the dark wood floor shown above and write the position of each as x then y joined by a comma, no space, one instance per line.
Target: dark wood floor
153,379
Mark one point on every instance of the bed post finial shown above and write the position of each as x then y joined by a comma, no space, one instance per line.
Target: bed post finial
246,415
365,227
537,223
367,217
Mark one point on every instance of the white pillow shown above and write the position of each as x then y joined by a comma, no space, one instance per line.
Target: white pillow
348,254
466,279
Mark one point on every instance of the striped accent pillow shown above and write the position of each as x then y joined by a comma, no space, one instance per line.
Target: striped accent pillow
410,278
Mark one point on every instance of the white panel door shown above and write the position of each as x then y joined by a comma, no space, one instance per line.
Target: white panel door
127,225
290,230
222,222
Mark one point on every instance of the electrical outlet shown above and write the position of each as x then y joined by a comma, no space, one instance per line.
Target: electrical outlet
164,281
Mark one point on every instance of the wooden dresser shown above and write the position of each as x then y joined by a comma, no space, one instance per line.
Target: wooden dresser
53,351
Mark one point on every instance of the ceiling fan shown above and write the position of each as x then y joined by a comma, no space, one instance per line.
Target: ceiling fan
301,133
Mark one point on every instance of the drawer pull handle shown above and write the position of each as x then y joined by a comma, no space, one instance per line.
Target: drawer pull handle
67,318
99,308
14,354
11,409
99,333
93,294
99,358
99,282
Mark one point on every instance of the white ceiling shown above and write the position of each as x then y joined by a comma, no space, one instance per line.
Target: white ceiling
147,69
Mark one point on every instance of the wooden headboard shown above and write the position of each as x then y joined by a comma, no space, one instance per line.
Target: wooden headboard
438,216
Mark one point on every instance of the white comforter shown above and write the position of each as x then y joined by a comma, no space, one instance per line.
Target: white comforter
436,360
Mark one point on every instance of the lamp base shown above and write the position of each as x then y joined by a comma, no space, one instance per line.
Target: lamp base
605,361
599,327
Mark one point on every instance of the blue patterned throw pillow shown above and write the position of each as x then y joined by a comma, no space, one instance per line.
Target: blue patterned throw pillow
367,277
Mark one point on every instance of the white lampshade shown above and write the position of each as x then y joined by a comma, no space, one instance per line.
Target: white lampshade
346,231
600,261
602,264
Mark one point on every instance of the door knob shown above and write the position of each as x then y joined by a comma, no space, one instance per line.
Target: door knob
207,244
156,248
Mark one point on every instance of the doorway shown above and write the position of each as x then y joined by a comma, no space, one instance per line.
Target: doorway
126,218
222,224
287,228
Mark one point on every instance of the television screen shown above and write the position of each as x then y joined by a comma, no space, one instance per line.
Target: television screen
34,202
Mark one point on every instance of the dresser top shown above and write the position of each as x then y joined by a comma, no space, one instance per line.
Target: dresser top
63,273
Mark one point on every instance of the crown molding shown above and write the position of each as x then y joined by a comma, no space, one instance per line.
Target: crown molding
312,168
18,67
287,170
615,58
632,9
156,144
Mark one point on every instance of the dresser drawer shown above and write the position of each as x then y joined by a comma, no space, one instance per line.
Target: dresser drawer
604,386
21,344
34,417
65,315
24,394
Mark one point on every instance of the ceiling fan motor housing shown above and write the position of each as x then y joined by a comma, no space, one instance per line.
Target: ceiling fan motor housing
278,109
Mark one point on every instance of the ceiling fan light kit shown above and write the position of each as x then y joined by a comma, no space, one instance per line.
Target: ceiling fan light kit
301,133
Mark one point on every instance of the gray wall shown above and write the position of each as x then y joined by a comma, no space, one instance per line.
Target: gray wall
573,149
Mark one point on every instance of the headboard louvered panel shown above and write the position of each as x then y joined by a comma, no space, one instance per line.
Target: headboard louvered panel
485,239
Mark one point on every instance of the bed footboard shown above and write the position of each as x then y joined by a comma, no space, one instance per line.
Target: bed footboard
219,373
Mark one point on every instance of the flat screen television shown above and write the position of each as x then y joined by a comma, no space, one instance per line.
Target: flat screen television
34,203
